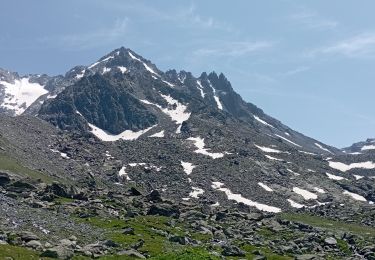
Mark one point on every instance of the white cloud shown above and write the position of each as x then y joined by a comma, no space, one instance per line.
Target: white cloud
234,49
295,71
359,46
87,40
313,21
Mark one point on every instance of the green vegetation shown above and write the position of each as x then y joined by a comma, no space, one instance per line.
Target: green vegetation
146,228
331,225
61,200
9,164
343,246
19,253
187,254
250,249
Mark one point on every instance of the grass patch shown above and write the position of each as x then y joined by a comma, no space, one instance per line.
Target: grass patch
146,228
249,249
9,164
187,254
331,225
19,253
62,200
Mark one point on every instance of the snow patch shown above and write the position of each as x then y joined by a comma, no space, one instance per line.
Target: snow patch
199,144
295,204
200,87
188,167
264,186
144,64
18,96
346,167
288,140
122,69
306,152
63,155
123,172
126,135
357,177
334,177
158,134
368,147
319,190
307,195
355,196
168,83
106,70
324,149
291,171
262,121
196,192
98,62
239,198
176,111
217,99
80,75
268,150
273,158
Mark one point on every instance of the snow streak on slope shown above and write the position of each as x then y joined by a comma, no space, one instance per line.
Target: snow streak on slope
273,158
21,94
158,134
200,87
263,122
288,140
264,186
354,196
334,177
238,198
199,143
126,135
268,150
305,194
144,64
294,204
217,99
98,62
346,167
324,149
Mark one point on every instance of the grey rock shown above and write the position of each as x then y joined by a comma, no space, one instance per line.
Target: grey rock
231,250
34,244
131,253
330,241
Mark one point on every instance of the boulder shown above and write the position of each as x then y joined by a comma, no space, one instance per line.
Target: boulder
154,196
34,244
60,252
28,236
4,179
164,210
131,253
330,241
230,250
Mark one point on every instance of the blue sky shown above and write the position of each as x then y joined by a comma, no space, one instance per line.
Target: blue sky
311,64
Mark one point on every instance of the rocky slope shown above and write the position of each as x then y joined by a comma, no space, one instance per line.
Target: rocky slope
133,160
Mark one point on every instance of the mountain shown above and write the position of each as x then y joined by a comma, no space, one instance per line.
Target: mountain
120,139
